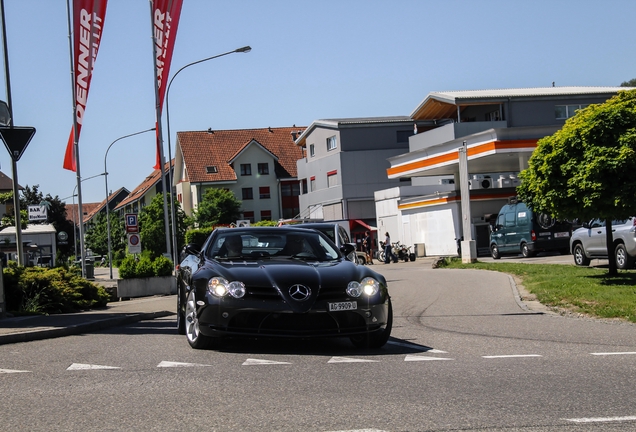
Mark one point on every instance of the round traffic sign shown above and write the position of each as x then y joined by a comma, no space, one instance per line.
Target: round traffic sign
134,239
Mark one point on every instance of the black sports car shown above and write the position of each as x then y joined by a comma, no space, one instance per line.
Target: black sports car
278,282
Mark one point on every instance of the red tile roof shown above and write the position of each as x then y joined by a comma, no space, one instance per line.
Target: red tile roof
202,149
87,208
144,187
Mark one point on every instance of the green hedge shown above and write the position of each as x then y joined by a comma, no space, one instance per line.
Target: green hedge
198,236
50,290
144,267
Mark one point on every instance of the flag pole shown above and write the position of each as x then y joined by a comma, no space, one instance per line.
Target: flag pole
160,136
78,177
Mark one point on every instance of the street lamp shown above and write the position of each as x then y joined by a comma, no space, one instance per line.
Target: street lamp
244,49
110,252
81,217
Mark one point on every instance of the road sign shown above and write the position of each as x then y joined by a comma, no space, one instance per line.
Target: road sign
16,139
131,223
37,213
134,243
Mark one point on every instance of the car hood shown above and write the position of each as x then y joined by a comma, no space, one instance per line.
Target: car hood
285,274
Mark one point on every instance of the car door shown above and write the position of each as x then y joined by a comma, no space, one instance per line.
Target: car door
596,244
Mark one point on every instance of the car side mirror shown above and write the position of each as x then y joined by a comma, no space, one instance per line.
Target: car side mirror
347,248
192,249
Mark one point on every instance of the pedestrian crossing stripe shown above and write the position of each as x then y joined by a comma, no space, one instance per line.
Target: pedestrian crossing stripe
81,366
416,357
8,371
166,364
350,360
252,362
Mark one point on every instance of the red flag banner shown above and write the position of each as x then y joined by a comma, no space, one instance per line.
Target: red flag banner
165,20
88,23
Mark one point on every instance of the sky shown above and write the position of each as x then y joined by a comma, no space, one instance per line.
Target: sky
310,60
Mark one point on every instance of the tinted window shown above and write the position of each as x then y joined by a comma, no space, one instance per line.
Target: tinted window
510,219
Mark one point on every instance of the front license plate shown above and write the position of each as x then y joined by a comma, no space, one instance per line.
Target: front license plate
343,306
562,234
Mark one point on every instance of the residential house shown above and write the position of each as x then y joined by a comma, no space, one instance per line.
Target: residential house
90,210
143,194
345,163
499,130
257,165
6,185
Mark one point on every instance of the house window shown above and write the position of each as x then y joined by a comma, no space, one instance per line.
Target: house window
304,182
247,193
263,192
562,112
246,169
263,168
266,215
312,150
211,169
332,178
332,143
312,184
249,215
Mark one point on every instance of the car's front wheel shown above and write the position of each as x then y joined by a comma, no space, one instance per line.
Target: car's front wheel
193,332
579,256
377,339
494,252
623,259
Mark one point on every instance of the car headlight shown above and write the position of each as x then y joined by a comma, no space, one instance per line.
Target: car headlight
220,287
368,286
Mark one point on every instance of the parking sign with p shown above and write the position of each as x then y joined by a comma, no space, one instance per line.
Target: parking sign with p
131,223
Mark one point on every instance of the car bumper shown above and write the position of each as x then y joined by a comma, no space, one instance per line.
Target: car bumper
237,317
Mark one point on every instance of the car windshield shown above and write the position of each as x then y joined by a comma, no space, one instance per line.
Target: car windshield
255,243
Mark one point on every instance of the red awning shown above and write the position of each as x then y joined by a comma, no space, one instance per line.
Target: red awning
369,227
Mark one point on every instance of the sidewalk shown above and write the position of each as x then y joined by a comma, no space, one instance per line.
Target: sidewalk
36,327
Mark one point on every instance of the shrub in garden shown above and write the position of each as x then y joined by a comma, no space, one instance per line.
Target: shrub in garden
198,236
128,267
144,268
162,266
45,290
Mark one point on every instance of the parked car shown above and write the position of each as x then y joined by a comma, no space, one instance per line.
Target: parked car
589,242
518,230
336,234
278,282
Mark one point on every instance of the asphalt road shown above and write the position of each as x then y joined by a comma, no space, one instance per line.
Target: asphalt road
463,356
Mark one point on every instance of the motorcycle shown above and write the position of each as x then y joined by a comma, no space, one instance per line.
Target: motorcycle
382,254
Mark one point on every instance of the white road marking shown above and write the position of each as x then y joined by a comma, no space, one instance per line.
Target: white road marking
81,366
350,360
166,364
361,430
601,419
252,362
8,371
419,357
415,346
613,353
512,356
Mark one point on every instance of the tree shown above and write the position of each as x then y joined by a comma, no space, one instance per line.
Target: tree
630,83
586,169
218,207
97,234
152,226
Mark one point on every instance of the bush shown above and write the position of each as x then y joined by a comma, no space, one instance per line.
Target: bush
198,236
162,266
44,290
128,267
144,268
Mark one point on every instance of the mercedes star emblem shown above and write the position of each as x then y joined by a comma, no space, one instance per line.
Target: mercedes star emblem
299,292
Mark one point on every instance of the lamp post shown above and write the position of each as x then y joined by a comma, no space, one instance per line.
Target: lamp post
81,219
244,49
110,252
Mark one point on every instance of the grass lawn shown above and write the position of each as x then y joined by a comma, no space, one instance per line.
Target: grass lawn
585,290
